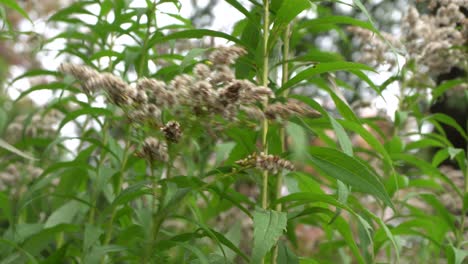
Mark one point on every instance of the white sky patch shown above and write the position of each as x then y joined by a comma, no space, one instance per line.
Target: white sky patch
345,7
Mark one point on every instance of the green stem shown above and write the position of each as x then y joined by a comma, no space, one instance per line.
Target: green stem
151,14
159,213
102,158
284,79
266,28
108,236
461,231
266,23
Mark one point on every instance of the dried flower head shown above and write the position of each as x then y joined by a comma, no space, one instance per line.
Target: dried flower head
290,108
16,173
226,55
263,161
82,73
172,131
154,150
201,71
230,94
222,74
253,112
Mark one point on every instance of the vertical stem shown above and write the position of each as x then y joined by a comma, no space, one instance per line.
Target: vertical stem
108,236
460,237
284,79
266,28
151,13
102,158
159,213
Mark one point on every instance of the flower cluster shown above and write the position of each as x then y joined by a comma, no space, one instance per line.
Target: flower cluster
263,161
432,40
154,150
292,107
39,125
372,49
211,90
16,173
172,131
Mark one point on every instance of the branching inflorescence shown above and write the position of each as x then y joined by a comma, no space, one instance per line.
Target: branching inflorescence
211,90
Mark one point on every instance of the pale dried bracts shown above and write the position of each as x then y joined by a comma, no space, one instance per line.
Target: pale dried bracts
292,107
172,131
270,163
154,150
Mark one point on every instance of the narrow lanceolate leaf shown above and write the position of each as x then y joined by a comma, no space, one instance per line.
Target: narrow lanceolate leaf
241,9
5,145
339,20
290,9
194,33
268,227
349,170
93,111
13,4
322,68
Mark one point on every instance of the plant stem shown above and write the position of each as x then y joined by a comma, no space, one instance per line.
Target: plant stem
266,28
108,236
284,79
461,231
102,158
159,213
151,13
266,23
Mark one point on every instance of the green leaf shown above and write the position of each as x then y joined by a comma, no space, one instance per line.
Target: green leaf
91,236
307,197
93,111
193,33
5,145
285,255
30,257
343,138
439,90
322,68
350,171
456,255
426,167
14,5
5,208
35,72
132,192
63,215
269,225
299,140
228,244
369,138
387,232
241,9
443,118
98,252
339,20
54,86
192,54
289,9
344,228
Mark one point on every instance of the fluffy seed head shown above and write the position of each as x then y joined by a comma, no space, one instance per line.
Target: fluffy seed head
154,150
290,108
172,131
226,55
262,161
